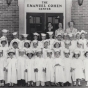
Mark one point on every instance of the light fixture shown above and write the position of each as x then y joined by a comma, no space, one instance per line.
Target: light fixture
30,17
80,2
8,2
58,18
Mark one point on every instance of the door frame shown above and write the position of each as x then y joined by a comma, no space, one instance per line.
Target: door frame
54,15
34,14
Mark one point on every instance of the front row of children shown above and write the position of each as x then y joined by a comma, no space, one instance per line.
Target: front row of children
34,70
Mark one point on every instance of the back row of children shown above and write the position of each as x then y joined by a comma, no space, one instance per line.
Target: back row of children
47,62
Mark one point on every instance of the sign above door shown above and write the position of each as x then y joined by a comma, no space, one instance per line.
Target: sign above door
45,6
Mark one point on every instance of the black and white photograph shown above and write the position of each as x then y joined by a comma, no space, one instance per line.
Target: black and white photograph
43,43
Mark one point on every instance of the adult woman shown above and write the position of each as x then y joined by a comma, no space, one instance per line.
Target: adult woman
49,29
71,28
59,30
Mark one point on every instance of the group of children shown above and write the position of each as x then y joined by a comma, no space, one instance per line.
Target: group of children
57,61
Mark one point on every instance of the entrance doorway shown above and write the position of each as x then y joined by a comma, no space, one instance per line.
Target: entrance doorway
37,22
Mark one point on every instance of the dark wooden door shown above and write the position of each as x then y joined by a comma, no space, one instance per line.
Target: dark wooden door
34,23
54,18
37,22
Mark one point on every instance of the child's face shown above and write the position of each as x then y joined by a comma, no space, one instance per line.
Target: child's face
15,36
57,54
87,54
49,54
35,45
49,25
46,44
71,24
35,37
67,55
3,43
4,34
43,37
15,45
11,54
50,36
82,36
76,56
57,45
79,45
24,38
66,37
60,25
67,45
29,55
78,36
21,53
39,54
71,38
59,37
27,45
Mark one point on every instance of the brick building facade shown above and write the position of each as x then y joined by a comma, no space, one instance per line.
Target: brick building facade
79,14
9,17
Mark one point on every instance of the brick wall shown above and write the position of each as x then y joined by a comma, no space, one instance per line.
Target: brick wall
9,17
79,14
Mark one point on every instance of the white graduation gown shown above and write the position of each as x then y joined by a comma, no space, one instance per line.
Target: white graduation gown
59,31
40,65
86,68
67,69
32,43
35,49
59,70
84,42
73,45
21,60
45,52
49,70
51,41
5,50
30,69
27,49
2,65
12,70
74,30
77,65
41,44
21,44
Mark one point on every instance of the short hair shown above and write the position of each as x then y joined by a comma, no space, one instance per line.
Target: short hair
85,54
72,22
27,43
11,52
4,41
61,23
77,54
81,35
50,23
58,44
30,53
66,53
77,34
15,43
